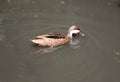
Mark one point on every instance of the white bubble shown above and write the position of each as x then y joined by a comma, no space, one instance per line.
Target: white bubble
62,2
82,34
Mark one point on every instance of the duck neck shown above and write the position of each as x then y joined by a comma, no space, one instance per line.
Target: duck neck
69,35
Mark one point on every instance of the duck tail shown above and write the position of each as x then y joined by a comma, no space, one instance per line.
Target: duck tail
35,41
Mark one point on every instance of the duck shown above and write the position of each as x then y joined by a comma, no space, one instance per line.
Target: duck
57,39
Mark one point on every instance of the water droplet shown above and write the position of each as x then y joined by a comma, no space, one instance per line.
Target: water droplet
35,15
116,53
82,34
62,2
110,4
33,2
11,45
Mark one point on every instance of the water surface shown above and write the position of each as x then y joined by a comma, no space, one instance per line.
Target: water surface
95,59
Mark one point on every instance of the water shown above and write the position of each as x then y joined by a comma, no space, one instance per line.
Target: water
96,58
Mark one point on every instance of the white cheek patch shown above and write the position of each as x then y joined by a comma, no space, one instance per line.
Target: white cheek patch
74,32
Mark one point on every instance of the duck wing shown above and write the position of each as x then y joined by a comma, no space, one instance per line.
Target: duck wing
41,36
51,35
56,35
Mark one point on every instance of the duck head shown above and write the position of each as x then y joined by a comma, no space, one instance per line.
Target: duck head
74,30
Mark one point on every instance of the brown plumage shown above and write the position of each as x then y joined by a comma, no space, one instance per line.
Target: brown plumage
56,39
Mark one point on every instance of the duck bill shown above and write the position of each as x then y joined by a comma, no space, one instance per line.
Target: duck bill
81,34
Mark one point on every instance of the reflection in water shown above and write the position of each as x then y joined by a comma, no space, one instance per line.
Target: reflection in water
45,50
74,43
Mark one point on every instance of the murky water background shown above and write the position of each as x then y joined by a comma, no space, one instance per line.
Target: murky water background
97,59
